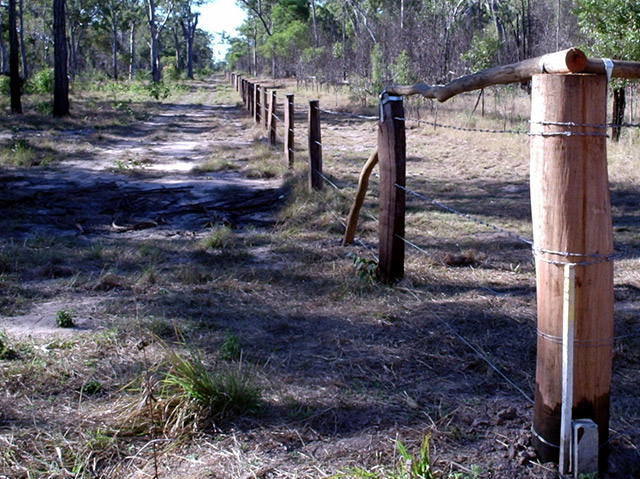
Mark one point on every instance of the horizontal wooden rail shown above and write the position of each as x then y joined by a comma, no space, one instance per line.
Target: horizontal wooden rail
572,60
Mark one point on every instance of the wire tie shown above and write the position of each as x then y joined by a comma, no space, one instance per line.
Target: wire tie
584,343
608,66
542,439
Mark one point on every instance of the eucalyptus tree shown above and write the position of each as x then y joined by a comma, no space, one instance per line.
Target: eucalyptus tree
61,79
613,28
158,14
15,82
23,48
3,47
113,16
80,15
188,20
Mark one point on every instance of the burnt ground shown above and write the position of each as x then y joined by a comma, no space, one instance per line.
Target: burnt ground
114,232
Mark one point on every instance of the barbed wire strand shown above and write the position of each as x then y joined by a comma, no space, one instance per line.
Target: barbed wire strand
350,115
465,215
470,346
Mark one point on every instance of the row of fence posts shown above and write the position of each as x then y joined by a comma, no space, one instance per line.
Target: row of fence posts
262,107
261,103
391,151
572,231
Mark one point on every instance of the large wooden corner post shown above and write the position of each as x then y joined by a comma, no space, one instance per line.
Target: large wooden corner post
392,160
572,230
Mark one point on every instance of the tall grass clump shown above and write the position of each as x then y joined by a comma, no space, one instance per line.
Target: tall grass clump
218,237
188,394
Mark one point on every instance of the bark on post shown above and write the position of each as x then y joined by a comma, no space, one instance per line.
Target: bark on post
265,107
392,159
271,125
315,146
257,107
288,131
571,216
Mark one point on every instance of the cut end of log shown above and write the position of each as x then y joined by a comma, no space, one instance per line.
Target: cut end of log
572,60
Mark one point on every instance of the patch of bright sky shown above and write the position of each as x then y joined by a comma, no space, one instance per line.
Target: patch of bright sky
219,16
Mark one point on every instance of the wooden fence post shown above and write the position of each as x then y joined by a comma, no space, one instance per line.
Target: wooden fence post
271,125
288,131
257,96
315,146
392,159
571,215
251,105
245,93
265,107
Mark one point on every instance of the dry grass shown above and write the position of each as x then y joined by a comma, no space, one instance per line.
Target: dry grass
346,366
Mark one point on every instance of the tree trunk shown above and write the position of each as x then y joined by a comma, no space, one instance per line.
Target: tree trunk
155,30
619,104
3,53
23,48
132,50
156,73
73,43
61,80
114,44
15,82
315,23
189,32
176,47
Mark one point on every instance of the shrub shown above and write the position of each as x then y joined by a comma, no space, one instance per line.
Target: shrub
64,319
41,82
4,85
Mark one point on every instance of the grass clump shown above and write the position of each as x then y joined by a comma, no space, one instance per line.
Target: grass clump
217,164
64,319
231,348
218,237
407,466
225,390
6,352
189,394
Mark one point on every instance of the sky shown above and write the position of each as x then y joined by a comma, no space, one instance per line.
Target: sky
218,16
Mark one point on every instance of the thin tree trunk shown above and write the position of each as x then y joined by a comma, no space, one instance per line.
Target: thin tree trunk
114,45
15,82
155,30
72,50
156,73
61,80
3,53
176,47
43,28
315,23
189,31
132,50
23,48
619,104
